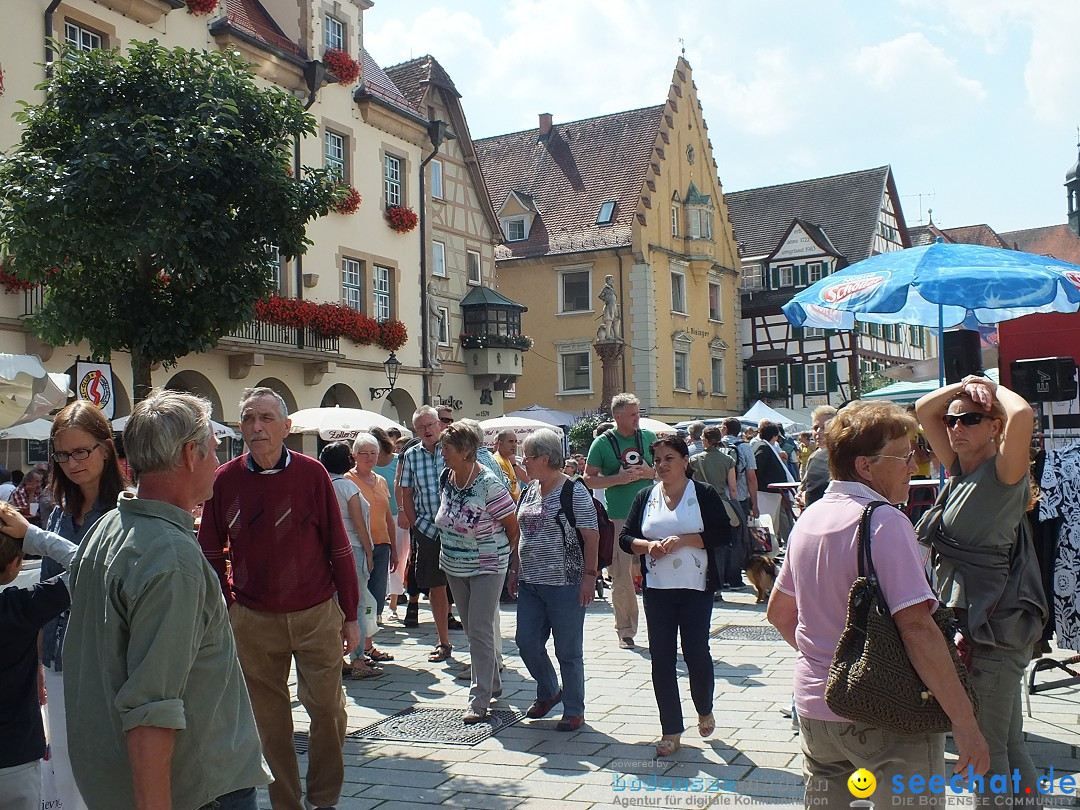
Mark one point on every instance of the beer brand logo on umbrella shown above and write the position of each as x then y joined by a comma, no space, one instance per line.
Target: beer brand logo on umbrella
853,287
95,386
1073,277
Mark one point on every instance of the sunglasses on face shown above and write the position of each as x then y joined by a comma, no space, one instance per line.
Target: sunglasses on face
966,419
446,420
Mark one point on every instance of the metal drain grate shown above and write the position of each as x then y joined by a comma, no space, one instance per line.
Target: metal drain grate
426,724
746,632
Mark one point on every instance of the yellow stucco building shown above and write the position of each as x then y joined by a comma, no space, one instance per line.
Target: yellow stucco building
635,196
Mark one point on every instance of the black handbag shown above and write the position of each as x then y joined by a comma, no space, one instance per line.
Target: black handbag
871,679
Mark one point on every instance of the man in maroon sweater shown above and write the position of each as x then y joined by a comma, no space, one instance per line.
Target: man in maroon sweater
273,533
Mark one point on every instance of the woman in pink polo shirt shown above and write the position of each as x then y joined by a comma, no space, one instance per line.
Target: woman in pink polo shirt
870,459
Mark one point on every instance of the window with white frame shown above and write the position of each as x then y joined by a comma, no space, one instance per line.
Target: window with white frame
768,378
674,220
333,33
437,179
817,381
717,366
352,283
392,179
678,292
700,223
715,302
786,276
815,272
273,266
751,277
438,259
682,370
575,371
475,276
813,332
515,229
81,39
444,326
576,292
381,278
334,154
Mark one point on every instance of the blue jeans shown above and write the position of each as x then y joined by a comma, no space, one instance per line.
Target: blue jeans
669,614
237,800
553,610
380,572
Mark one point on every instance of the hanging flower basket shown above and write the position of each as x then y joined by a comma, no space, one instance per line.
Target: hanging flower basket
401,218
199,7
349,202
332,320
342,65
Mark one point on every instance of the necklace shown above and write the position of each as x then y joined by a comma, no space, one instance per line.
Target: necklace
468,481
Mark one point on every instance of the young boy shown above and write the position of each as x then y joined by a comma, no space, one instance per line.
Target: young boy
23,612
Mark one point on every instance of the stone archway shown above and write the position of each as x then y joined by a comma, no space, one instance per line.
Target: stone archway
399,406
281,388
341,395
195,383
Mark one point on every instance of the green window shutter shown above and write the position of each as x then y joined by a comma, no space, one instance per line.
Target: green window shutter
774,275
798,379
782,377
751,373
796,333
802,275
832,377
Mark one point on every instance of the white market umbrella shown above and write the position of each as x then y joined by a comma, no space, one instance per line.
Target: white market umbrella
38,429
220,431
657,427
27,391
521,426
338,424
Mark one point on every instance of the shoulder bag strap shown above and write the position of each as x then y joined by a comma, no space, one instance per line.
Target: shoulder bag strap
866,559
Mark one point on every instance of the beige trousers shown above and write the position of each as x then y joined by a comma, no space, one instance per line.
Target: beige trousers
624,601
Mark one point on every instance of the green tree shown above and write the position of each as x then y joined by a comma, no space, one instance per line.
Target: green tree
581,434
145,192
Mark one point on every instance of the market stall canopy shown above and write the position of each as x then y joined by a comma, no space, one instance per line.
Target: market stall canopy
549,415
657,427
759,410
39,430
27,391
340,424
521,426
905,392
220,431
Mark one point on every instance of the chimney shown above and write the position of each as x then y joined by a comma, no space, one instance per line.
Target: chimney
545,128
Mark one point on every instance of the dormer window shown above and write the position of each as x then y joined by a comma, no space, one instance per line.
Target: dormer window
699,212
516,216
607,213
515,229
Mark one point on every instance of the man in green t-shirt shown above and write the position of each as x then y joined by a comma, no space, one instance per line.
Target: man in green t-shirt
621,474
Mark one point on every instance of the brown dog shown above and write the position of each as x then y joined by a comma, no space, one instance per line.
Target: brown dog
761,571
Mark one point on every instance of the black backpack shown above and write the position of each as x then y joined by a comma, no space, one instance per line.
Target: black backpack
606,550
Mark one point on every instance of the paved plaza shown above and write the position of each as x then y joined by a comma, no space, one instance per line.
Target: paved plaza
753,758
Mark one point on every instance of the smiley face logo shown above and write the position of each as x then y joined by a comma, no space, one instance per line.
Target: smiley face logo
862,783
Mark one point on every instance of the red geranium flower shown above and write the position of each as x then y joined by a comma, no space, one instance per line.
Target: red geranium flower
401,218
349,202
201,6
342,65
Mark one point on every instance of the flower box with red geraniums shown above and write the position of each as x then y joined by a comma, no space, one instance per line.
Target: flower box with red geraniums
333,320
342,65
401,218
349,202
199,7
13,284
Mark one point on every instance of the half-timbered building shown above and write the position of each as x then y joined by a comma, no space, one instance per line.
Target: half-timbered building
791,236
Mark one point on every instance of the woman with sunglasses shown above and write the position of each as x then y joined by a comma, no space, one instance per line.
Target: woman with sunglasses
984,565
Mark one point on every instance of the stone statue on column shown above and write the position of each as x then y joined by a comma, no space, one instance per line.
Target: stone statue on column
609,346
434,321
609,318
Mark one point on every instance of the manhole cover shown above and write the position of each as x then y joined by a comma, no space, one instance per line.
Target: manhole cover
746,632
423,724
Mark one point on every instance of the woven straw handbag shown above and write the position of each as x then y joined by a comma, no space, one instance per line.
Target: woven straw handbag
871,679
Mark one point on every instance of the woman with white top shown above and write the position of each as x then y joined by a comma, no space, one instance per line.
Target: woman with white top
675,525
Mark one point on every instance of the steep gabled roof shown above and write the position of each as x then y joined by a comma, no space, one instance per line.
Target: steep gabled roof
375,83
413,77
975,235
927,235
1058,241
570,174
251,18
845,206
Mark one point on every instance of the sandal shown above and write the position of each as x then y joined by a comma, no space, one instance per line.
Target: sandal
440,653
375,654
666,746
361,672
706,724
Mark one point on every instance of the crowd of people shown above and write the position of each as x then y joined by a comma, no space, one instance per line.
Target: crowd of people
176,653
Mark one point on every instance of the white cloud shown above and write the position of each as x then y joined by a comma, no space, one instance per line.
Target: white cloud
766,96
912,64
1054,63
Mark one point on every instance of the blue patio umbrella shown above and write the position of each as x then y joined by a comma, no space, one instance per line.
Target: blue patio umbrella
939,285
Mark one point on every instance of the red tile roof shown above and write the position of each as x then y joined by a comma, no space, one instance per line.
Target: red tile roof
413,77
375,83
250,17
1058,241
975,235
568,176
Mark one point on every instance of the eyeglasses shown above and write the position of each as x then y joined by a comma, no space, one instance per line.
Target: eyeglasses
426,426
81,454
966,419
446,420
906,459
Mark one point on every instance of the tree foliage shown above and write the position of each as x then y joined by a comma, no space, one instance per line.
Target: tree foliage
148,187
581,434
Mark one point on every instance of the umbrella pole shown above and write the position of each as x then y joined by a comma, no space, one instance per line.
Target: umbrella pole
941,373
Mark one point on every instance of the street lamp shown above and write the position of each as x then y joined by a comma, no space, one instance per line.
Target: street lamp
393,368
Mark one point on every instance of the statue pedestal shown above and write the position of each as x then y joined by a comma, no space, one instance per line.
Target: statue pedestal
611,352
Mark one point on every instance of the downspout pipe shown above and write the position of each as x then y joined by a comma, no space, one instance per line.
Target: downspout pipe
314,76
437,133
49,35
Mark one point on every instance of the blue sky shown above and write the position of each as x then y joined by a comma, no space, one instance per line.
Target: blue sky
972,102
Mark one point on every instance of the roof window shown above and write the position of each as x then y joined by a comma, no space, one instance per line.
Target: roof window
607,213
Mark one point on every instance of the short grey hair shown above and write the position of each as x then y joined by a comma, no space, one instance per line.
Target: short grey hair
249,394
545,442
160,426
462,438
695,429
509,433
620,401
365,440
423,410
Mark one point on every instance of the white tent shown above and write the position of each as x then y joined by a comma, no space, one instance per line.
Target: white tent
657,427
760,411
38,429
27,391
522,427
